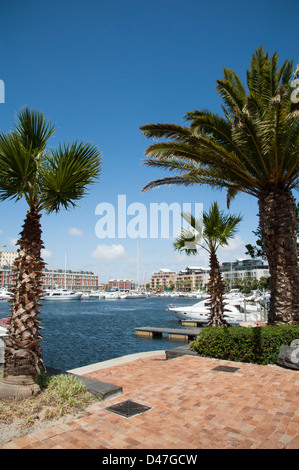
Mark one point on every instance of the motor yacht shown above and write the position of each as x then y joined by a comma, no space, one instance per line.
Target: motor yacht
62,294
236,310
135,295
92,295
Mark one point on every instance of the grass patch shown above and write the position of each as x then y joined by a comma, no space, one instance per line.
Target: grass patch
60,395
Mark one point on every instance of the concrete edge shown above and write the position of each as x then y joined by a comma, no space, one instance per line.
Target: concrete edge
114,362
180,351
100,389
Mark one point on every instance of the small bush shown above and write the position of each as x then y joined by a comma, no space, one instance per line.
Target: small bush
259,345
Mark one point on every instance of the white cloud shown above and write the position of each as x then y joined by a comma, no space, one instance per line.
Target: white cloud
46,254
109,252
12,241
235,249
75,232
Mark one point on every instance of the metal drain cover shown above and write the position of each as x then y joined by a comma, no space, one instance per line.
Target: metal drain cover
226,368
128,408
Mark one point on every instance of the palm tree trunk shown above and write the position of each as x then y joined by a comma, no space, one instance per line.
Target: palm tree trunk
278,223
216,290
22,353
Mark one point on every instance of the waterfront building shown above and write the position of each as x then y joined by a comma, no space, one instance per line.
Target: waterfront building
51,278
121,284
67,279
196,278
7,276
244,268
163,279
193,278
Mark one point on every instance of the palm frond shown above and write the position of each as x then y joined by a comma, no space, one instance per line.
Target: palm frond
33,130
253,148
69,171
167,131
214,229
17,169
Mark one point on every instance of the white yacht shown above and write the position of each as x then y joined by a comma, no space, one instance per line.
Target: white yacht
113,295
5,294
92,295
236,310
135,295
62,294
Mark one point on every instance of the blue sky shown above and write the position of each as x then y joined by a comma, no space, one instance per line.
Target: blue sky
100,70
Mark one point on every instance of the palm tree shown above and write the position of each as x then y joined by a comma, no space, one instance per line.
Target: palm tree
48,179
256,251
215,230
253,149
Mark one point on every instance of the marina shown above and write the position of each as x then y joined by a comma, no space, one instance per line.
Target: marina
81,330
78,333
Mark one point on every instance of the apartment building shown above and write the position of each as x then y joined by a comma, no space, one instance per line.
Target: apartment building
244,268
75,280
121,284
192,278
163,279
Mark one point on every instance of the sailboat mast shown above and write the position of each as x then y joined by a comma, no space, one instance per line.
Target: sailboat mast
137,265
65,270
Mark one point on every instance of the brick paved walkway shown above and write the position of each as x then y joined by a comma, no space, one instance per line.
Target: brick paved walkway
192,407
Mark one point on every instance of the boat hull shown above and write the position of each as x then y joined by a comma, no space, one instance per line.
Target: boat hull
60,295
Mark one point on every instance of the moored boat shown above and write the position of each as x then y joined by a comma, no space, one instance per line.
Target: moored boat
236,311
135,295
61,294
5,294
92,295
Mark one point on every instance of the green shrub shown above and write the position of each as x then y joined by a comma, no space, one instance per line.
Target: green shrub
259,345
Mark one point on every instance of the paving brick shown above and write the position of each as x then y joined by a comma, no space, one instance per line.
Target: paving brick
192,405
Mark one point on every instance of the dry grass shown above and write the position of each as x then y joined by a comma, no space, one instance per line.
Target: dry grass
61,395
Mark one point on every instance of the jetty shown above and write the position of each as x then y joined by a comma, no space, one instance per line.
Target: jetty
174,334
198,323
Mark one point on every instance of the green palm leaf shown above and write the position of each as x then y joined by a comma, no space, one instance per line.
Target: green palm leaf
33,130
18,167
69,171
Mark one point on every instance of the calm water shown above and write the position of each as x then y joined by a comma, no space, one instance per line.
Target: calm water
79,333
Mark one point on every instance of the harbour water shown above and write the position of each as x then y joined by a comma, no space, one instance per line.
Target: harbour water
82,332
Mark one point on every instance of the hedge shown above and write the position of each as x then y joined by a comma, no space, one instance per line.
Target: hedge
258,345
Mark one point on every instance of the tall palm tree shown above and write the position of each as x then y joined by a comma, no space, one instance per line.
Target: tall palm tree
253,149
215,231
48,179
